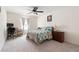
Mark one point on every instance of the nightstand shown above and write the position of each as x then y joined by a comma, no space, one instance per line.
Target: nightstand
58,36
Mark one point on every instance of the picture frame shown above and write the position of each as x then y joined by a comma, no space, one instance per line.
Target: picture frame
49,18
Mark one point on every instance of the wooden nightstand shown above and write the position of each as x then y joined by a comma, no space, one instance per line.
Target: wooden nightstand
58,36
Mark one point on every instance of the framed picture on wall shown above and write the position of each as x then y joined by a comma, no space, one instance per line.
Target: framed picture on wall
49,18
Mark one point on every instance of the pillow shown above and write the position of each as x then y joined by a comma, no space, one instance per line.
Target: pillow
39,28
49,29
43,28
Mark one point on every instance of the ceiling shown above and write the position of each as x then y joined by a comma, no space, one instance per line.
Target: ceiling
23,10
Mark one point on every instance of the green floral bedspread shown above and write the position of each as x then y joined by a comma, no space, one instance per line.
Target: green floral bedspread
43,35
39,36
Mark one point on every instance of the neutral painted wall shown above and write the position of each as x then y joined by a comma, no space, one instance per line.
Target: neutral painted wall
14,18
67,20
32,22
42,20
3,20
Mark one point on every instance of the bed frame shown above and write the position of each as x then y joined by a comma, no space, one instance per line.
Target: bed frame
57,36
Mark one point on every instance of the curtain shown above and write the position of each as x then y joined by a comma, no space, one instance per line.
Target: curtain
24,24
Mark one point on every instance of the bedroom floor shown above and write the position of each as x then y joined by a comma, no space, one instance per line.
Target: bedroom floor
21,44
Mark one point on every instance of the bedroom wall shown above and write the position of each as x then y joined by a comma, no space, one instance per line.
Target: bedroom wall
32,22
42,20
67,20
3,21
14,18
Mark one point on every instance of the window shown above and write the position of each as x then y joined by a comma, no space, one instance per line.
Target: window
24,24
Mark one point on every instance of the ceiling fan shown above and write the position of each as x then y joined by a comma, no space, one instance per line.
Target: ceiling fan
35,11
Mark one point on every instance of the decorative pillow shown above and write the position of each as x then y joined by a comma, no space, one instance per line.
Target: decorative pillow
39,28
49,29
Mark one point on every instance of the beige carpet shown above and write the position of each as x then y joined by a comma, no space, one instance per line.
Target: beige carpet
21,44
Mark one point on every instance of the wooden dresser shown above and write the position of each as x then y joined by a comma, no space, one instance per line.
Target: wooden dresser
58,36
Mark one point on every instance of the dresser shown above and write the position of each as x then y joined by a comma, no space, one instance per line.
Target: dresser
58,36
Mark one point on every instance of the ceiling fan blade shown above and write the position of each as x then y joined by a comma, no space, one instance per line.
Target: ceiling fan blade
40,11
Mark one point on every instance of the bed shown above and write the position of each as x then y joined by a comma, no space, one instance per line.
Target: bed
41,34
